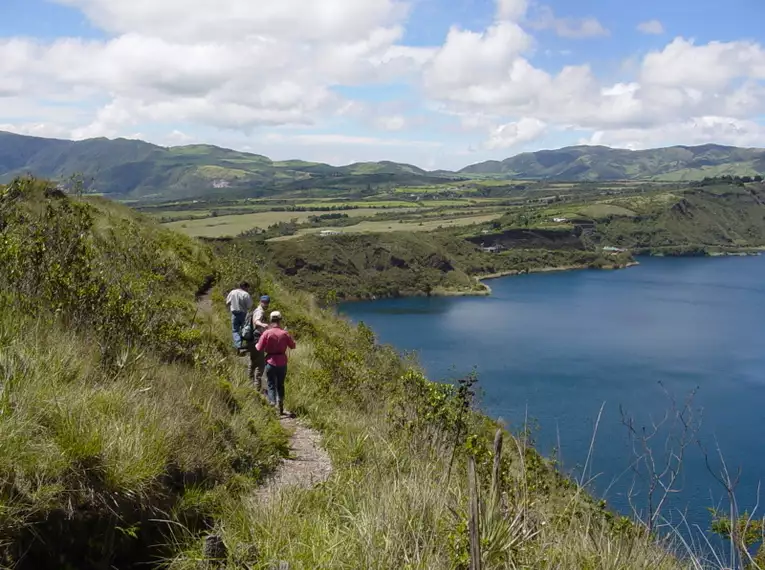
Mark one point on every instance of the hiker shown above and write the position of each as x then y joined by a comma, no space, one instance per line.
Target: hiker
257,366
239,302
274,342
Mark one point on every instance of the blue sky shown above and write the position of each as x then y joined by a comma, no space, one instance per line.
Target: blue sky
332,81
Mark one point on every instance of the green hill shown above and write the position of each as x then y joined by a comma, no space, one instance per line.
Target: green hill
598,163
138,170
132,169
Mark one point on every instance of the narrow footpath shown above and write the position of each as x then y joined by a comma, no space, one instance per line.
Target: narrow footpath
308,463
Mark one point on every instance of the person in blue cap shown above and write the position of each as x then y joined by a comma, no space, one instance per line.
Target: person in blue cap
257,365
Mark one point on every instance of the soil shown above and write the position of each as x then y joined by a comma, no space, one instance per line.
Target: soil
308,464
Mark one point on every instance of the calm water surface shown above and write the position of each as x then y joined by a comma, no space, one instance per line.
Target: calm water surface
558,346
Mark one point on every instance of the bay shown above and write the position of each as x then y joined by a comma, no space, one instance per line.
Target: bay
557,347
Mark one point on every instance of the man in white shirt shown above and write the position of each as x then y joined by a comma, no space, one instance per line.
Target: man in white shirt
257,366
239,302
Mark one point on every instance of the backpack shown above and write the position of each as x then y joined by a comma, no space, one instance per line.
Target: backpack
248,331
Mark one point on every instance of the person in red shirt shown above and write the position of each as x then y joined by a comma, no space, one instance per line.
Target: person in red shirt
274,342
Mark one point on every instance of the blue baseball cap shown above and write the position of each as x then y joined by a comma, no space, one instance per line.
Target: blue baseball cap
266,299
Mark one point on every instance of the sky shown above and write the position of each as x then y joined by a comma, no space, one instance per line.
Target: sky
436,83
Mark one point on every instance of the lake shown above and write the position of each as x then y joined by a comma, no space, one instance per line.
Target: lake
556,347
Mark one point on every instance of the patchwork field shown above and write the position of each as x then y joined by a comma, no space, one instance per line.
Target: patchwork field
229,226
370,227
598,211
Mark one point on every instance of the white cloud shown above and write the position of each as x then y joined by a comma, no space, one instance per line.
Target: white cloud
568,27
512,134
192,21
710,67
223,64
683,84
651,27
322,139
46,130
700,130
244,77
511,9
470,58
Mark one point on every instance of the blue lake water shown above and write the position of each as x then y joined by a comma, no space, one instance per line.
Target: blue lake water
556,347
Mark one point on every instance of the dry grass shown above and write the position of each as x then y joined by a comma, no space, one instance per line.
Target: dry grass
227,226
426,225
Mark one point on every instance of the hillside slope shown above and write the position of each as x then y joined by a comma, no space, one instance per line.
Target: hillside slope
125,168
130,435
599,163
122,418
132,169
700,220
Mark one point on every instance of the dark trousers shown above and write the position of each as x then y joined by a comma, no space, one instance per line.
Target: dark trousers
276,376
256,368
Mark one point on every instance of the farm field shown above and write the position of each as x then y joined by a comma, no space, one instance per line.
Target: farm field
369,227
229,226
357,204
600,210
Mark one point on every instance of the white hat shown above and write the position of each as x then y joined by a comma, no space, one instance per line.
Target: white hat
276,316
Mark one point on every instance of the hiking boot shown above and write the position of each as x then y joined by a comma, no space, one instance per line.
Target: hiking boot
280,406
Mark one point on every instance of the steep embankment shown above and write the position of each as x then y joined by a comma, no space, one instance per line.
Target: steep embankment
364,266
701,220
129,433
122,419
438,263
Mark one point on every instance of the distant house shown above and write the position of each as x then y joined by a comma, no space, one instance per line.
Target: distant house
613,249
560,220
329,233
492,248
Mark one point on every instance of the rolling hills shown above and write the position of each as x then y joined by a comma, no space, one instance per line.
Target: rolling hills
598,163
133,169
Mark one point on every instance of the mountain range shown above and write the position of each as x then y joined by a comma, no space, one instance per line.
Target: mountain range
134,169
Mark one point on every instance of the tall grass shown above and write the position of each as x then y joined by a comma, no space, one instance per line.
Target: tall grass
395,500
121,415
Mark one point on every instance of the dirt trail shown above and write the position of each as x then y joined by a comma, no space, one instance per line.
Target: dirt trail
204,302
308,463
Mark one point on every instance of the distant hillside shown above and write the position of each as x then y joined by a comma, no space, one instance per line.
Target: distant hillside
132,169
136,169
599,163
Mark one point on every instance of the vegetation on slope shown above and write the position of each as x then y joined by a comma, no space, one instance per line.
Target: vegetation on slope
710,219
398,498
137,170
604,163
123,448
363,266
122,418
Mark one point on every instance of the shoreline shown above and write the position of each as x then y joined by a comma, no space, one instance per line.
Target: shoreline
487,291
552,269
